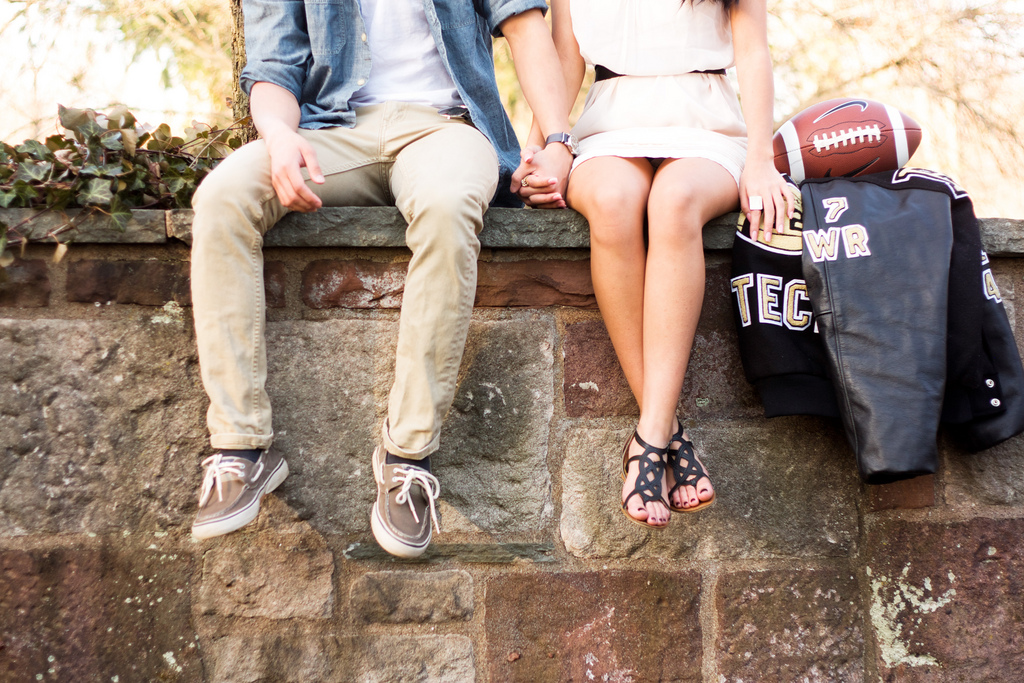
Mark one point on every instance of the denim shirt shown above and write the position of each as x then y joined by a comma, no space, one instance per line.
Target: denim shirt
316,49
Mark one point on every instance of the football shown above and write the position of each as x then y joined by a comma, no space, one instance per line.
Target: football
843,138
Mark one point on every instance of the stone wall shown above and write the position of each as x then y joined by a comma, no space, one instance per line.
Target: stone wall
798,573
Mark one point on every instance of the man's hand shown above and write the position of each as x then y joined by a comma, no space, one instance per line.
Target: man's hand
542,176
275,112
289,152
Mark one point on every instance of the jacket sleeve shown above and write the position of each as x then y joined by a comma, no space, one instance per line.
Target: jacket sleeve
495,12
276,44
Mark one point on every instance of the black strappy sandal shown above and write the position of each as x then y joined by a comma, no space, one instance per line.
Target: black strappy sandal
686,470
645,486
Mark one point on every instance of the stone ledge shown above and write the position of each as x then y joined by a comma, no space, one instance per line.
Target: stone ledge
383,226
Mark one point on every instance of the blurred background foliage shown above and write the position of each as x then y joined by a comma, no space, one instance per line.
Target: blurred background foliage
956,66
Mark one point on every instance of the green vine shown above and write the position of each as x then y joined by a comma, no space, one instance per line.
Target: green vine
107,164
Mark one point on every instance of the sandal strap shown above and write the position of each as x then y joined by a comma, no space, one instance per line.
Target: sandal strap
646,486
686,469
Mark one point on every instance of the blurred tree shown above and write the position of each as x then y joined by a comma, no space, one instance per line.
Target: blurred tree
197,33
72,42
957,66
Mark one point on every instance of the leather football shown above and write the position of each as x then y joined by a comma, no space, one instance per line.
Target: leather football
845,137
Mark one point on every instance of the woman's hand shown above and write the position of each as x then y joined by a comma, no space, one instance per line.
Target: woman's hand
540,180
760,181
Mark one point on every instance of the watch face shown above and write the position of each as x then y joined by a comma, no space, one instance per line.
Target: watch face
574,144
567,139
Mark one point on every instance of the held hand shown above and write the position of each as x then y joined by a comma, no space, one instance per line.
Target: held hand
542,176
760,181
289,152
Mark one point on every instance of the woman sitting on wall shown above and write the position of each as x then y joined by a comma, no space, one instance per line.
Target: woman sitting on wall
662,149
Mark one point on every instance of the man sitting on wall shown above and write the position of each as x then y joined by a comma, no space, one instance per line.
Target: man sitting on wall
363,103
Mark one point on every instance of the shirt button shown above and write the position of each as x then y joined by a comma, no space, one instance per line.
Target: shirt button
996,402
361,81
364,37
989,383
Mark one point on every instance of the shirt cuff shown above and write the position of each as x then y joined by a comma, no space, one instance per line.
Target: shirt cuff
510,9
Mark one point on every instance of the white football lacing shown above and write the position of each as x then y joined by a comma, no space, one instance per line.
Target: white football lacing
217,467
847,137
427,481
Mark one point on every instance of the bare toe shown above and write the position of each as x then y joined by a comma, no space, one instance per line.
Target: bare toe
705,491
657,514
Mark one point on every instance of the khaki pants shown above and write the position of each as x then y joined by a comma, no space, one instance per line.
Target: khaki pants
440,173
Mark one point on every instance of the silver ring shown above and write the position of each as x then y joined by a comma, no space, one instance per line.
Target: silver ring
524,183
755,203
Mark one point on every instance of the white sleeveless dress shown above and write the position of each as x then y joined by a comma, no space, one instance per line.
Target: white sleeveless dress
659,109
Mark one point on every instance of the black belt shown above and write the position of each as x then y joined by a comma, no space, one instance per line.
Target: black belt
604,73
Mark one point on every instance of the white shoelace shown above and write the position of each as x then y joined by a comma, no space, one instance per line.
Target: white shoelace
216,467
431,487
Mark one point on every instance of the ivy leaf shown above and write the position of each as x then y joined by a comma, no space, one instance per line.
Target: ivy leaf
7,198
120,214
156,145
112,141
130,140
59,197
106,170
29,171
73,119
58,142
162,133
96,192
36,150
175,184
89,130
24,191
120,117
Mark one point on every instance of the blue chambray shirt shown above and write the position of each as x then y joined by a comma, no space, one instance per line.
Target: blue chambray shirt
315,50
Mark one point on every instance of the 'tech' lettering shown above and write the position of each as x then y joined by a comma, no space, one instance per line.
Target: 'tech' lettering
790,312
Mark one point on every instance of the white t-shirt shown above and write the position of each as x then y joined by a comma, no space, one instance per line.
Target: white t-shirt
406,65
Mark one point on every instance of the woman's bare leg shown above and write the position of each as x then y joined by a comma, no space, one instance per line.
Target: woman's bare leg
685,194
612,192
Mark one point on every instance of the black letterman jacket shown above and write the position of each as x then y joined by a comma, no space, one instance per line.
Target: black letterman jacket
896,307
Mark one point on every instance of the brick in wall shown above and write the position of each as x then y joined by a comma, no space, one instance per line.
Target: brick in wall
25,284
535,283
594,385
353,284
147,283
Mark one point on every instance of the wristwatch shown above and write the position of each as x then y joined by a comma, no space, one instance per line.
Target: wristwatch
567,139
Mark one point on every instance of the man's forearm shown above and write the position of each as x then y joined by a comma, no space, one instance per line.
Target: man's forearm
273,109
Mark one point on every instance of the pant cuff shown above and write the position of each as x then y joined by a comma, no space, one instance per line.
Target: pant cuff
241,441
391,447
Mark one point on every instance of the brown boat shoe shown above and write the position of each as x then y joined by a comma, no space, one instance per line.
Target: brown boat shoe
404,514
232,489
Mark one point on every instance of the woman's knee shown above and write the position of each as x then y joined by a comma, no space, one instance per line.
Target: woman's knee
676,216
615,214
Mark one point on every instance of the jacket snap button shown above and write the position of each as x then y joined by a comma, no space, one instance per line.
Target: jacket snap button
989,383
995,402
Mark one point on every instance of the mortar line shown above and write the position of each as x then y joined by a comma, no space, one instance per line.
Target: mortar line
709,623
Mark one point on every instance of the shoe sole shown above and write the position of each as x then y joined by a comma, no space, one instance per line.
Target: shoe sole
246,514
696,508
644,523
391,544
